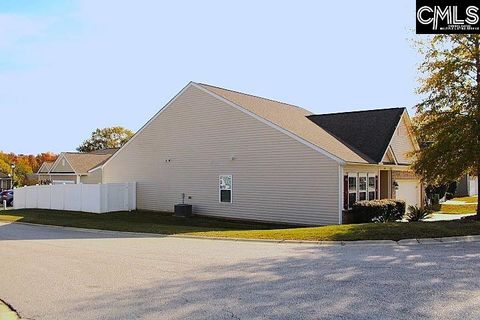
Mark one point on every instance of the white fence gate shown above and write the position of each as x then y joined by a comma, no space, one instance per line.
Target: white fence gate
473,187
97,198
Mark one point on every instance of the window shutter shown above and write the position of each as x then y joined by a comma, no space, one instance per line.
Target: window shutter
376,188
345,192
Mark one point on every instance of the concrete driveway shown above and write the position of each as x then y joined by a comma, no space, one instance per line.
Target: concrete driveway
52,273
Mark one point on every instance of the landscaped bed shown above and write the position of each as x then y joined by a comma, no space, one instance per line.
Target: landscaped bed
165,223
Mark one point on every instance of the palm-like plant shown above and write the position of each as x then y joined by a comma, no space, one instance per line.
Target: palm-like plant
417,214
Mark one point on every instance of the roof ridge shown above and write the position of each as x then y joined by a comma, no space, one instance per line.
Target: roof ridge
87,153
357,111
252,95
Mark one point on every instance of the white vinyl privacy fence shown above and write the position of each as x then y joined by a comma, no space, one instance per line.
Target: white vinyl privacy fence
97,198
473,190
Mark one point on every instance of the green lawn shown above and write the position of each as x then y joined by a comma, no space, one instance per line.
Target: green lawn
136,221
472,199
468,205
165,223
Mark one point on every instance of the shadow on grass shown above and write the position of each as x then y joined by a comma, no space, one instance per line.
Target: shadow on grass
136,221
167,224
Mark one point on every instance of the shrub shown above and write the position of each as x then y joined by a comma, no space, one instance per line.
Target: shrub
400,207
377,210
417,214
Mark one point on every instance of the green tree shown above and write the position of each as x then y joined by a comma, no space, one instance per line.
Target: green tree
113,137
448,117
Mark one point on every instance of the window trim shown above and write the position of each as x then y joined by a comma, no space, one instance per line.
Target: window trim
352,175
357,176
374,190
220,190
362,175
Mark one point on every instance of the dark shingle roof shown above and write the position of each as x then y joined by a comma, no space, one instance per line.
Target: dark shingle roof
368,133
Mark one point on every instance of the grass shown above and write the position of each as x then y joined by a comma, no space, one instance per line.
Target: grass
469,206
473,199
136,221
165,223
353,232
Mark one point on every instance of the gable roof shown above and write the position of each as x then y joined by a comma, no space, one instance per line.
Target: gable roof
368,132
291,118
105,151
82,162
45,167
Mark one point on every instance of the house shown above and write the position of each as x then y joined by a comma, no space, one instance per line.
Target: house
240,156
467,186
42,175
74,167
5,181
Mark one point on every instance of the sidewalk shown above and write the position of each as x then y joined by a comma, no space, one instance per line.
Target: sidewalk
447,216
6,313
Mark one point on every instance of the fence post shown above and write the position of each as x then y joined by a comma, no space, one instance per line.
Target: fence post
81,196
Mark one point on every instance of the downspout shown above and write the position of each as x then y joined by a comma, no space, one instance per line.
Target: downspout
340,194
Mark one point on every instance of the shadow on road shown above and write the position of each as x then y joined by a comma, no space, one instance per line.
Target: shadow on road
17,231
316,283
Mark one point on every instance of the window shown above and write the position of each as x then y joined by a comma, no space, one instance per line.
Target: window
225,189
362,186
352,189
371,186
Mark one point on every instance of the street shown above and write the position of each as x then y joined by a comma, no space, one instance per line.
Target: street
54,273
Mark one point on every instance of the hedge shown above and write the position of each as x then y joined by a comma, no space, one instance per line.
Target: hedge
377,210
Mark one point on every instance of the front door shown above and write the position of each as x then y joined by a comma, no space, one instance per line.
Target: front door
384,184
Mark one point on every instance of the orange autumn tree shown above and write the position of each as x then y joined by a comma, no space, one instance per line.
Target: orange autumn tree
25,165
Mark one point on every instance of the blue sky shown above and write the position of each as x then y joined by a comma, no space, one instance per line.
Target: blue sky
68,67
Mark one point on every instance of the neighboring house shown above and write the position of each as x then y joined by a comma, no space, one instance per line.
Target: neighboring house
43,176
467,186
239,156
74,167
5,181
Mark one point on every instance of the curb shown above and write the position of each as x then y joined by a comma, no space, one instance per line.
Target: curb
7,312
403,242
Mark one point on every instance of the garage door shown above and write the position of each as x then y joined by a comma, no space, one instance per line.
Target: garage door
409,192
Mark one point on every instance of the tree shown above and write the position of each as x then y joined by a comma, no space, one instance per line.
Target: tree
25,165
448,117
113,137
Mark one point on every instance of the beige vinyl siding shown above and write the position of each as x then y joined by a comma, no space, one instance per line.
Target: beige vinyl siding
62,166
193,141
402,143
64,177
388,158
351,168
92,178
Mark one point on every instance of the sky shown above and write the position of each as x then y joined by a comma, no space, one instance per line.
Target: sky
69,67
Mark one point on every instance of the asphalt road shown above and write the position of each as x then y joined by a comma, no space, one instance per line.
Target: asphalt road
52,273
